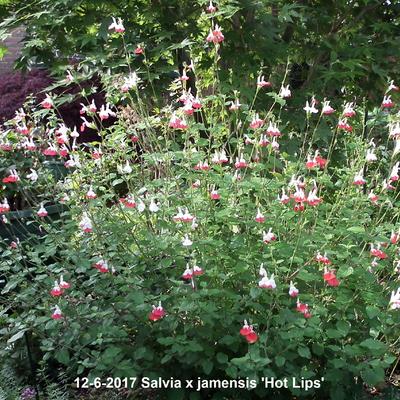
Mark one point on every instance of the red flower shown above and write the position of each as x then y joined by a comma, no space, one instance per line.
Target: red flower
330,278
157,313
139,50
215,195
303,309
259,217
394,237
56,291
57,314
187,274
197,271
377,252
252,337
248,332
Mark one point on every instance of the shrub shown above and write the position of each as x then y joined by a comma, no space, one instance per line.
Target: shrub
184,257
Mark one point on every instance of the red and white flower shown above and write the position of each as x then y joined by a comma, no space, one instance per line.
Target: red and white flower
197,271
90,194
377,252
330,277
4,206
248,332
188,273
348,110
273,130
327,109
241,162
394,301
284,198
303,309
267,283
128,201
56,291
12,177
259,217
392,86
211,8
322,258
373,197
102,266
187,217
263,142
394,130
177,123
117,25
86,224
359,178
312,198
261,82
293,291
42,211
394,174
64,284
387,102
235,105
256,122
139,50
57,314
106,112
216,36
215,195
269,236
394,237
157,313
50,150
47,102
343,124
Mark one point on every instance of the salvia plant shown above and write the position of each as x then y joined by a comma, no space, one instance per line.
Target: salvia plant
209,238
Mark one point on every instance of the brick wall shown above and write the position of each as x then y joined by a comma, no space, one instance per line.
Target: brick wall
14,45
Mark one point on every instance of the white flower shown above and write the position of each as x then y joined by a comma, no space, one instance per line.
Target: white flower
153,207
310,109
33,176
186,241
141,206
85,224
394,302
125,169
371,156
194,224
285,92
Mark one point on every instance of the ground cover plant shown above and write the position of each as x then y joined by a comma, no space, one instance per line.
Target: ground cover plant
207,234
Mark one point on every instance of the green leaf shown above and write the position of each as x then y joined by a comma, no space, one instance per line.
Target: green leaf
333,333
356,229
222,358
304,352
372,311
280,361
62,356
373,344
207,366
17,336
373,376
